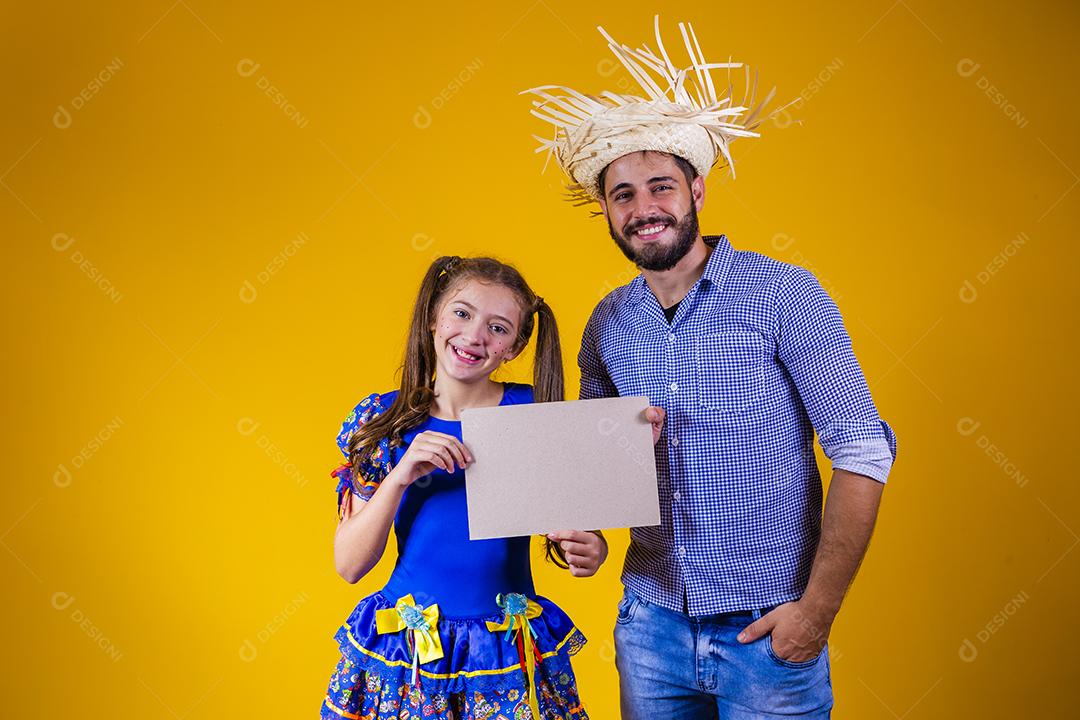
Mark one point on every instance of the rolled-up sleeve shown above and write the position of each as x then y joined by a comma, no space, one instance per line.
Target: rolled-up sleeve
815,348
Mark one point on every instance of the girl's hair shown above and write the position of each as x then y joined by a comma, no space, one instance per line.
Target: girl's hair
417,391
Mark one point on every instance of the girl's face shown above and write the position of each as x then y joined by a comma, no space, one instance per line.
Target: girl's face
475,330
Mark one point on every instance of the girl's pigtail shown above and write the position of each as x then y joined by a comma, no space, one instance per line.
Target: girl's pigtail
417,371
418,366
548,387
548,365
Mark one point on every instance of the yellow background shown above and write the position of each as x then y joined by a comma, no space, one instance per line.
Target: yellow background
179,361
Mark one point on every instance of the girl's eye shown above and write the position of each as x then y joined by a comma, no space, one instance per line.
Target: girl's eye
498,329
461,313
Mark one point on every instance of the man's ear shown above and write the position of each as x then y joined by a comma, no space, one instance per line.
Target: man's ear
603,207
697,190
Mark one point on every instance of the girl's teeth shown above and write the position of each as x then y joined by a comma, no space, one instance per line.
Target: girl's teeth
466,355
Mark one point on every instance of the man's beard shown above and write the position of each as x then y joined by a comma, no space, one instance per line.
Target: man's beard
656,257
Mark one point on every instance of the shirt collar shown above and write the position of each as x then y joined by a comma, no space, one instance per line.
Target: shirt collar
716,269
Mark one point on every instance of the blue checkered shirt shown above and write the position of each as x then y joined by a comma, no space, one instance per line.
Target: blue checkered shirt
755,360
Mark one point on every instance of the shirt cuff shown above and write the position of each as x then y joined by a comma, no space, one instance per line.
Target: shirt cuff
872,458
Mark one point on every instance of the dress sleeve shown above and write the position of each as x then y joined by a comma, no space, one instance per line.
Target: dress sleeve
376,467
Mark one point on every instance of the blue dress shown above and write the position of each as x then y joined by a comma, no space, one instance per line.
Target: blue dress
458,630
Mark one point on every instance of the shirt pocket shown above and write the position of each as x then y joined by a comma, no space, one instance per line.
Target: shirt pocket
730,370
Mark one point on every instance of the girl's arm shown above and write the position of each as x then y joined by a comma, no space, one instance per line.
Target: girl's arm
360,539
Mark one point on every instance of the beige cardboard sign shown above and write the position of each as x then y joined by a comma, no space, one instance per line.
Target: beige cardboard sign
575,465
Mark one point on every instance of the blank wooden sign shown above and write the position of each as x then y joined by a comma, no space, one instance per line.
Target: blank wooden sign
576,465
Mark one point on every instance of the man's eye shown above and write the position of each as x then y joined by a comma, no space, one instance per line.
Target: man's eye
622,196
662,187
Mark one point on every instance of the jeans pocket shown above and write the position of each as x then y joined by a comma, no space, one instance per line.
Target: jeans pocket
788,663
627,606
730,370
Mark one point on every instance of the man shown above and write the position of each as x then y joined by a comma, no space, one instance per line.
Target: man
729,602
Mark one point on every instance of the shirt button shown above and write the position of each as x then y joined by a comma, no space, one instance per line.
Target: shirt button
671,337
674,442
682,551
676,496
674,387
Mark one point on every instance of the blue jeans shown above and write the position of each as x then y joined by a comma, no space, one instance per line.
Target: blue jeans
676,667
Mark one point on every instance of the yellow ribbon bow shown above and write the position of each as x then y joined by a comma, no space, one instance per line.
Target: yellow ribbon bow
421,625
518,611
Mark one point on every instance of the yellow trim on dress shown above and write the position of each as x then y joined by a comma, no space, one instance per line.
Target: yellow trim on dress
451,676
330,704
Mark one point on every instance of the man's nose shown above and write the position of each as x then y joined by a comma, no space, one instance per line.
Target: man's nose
644,206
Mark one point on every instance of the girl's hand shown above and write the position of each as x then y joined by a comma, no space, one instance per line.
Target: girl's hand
585,551
430,451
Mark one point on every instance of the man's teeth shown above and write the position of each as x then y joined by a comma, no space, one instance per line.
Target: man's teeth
466,355
651,230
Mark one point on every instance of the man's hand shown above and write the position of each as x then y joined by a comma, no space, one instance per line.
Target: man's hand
798,632
585,552
655,416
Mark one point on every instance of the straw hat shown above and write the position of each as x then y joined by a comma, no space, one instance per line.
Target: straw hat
681,114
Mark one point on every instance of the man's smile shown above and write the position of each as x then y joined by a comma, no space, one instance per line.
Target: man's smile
651,230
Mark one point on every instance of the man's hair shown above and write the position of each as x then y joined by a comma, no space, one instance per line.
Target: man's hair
688,170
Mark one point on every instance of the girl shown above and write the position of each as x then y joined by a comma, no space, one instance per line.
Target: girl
458,631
